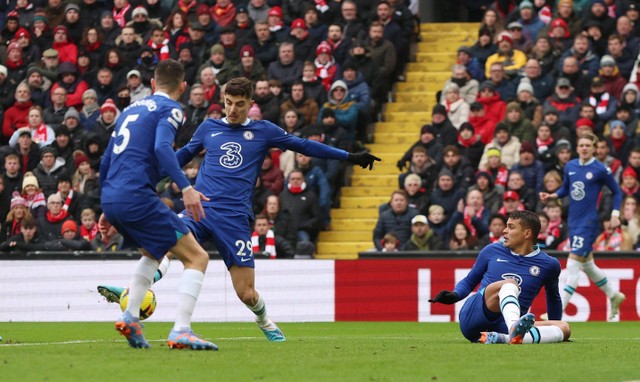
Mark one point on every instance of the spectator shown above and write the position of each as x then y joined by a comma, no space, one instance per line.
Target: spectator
468,87
511,203
491,193
612,80
613,239
223,13
428,141
84,179
41,34
564,100
264,44
418,196
49,170
457,108
326,68
422,238
303,207
531,24
271,176
316,181
196,113
484,47
516,58
11,181
50,225
481,122
108,241
619,144
470,144
16,212
604,102
527,196
303,43
24,241
390,243
555,232
461,239
518,126
41,134
75,87
544,54
602,155
531,107
473,70
597,41
286,68
625,60
395,220
446,133
67,50
250,67
136,88
243,26
268,103
422,165
186,59
27,151
258,10
346,111
383,54
90,109
77,134
108,27
495,108
229,42
39,86
17,116
106,122
299,102
54,114
599,12
519,41
360,57
531,169
630,99
340,46
334,135
353,28
446,194
264,241
497,225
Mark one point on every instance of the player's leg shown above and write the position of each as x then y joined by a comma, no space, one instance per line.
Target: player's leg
574,266
598,277
112,293
502,296
546,332
195,260
243,279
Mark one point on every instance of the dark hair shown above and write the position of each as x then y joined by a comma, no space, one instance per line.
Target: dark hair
239,87
528,220
261,216
498,216
28,221
168,74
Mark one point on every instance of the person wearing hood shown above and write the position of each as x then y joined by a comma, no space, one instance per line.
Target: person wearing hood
631,98
50,168
481,122
346,111
299,102
75,87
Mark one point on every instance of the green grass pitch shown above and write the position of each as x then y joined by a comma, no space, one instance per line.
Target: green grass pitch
344,351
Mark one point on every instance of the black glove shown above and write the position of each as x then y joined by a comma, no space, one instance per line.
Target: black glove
363,159
400,164
445,297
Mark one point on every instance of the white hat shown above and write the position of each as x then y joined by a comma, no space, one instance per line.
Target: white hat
3,70
133,72
420,219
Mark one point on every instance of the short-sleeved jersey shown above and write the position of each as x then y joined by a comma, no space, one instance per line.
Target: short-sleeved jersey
583,184
496,262
234,157
140,151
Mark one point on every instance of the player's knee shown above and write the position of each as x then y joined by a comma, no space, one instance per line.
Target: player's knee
566,330
248,296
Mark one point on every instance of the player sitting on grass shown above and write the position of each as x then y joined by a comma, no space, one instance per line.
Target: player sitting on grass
510,277
235,150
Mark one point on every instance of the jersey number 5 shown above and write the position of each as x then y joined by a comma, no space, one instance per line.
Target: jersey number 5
125,133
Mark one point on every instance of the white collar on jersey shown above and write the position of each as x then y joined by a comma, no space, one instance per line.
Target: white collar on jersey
245,123
593,159
162,94
536,251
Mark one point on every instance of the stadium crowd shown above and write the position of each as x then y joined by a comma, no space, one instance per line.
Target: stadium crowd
321,70
541,74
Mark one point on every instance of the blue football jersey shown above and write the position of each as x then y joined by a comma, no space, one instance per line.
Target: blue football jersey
234,156
496,262
140,151
583,184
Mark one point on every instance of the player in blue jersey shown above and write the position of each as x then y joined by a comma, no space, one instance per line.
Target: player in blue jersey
235,149
583,180
510,275
139,155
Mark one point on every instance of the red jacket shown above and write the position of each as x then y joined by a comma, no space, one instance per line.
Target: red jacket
67,52
15,117
74,99
494,108
484,126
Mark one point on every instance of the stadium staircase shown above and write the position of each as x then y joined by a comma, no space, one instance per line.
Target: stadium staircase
353,223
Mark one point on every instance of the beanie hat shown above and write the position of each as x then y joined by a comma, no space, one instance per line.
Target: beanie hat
247,51
505,36
215,107
80,158
90,93
18,200
255,112
203,9
429,129
60,28
275,11
30,180
327,112
584,122
217,48
69,225
324,47
525,86
494,152
108,105
22,32
445,172
527,147
298,23
72,113
439,109
139,10
629,171
72,6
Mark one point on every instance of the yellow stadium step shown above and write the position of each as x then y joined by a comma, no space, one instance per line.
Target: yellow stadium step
375,180
382,168
451,37
448,45
426,57
430,66
361,191
338,236
415,117
426,28
387,148
431,86
439,77
397,137
399,127
363,201
396,107
388,158
423,97
337,256
352,213
344,247
356,224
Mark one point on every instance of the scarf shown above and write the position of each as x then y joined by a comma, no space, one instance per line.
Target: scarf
500,176
67,201
609,241
493,238
36,200
40,133
600,105
543,146
56,218
618,143
15,228
210,93
297,189
93,46
469,141
553,228
469,224
186,7
162,51
87,110
89,234
118,16
270,243
630,191
276,27
322,71
15,64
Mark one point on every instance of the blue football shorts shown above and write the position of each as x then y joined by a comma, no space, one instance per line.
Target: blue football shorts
228,230
582,239
475,317
150,225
